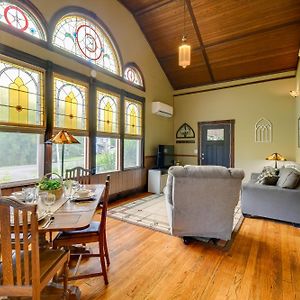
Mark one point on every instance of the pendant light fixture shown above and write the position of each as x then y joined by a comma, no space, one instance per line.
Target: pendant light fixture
184,58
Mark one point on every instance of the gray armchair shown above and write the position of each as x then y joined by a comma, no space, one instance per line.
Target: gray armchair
200,200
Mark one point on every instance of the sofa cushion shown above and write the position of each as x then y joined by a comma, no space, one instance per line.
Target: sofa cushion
288,178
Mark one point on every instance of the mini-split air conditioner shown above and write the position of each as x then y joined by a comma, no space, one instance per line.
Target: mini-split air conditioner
162,109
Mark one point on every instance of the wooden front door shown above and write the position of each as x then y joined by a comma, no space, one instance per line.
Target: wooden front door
216,143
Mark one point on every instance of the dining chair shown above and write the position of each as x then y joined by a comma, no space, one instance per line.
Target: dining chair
25,269
96,232
83,176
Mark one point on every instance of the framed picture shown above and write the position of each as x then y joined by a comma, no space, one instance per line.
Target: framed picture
298,132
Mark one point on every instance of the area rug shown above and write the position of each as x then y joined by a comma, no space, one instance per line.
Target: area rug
151,212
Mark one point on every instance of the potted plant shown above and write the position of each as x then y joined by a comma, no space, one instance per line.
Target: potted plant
51,185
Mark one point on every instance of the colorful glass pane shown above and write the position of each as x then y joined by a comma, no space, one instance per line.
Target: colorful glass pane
132,75
69,105
21,95
108,112
88,41
133,117
21,19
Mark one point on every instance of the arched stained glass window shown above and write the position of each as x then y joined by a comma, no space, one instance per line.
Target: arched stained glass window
21,95
69,105
21,18
133,118
83,38
133,75
108,112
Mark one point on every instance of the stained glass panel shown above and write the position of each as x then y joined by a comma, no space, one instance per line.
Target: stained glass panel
21,95
132,75
88,41
133,117
107,112
69,105
21,19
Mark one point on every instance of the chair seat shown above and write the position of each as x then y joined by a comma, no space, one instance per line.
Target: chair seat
49,259
91,231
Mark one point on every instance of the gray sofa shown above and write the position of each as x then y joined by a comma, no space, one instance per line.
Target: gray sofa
200,200
271,202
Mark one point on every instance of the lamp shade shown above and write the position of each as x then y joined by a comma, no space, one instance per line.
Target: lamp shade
184,54
275,156
64,137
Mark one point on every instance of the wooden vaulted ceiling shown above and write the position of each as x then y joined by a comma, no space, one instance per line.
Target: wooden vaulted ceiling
230,39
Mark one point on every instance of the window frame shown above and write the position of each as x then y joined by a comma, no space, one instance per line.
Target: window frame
133,65
92,17
38,16
49,27
49,68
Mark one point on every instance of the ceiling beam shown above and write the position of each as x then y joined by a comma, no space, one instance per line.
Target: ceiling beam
197,30
152,7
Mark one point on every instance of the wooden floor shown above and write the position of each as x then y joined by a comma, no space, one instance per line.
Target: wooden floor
262,263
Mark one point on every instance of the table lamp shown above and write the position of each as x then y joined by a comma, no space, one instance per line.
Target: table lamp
275,156
63,137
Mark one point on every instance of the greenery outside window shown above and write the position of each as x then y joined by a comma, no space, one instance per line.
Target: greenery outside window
75,155
107,154
21,157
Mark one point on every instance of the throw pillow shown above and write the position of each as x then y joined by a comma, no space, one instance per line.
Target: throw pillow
266,172
270,180
288,178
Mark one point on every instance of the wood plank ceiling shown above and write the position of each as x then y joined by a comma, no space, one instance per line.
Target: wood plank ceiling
230,39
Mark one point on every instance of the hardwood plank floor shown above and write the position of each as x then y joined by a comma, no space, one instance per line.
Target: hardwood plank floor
262,263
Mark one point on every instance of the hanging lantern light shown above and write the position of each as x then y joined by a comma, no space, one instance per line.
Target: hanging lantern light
184,57
184,54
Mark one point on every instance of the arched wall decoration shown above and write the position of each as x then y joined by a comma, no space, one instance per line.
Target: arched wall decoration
23,18
82,34
263,131
133,74
185,131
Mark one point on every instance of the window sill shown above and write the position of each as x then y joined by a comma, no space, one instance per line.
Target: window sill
15,184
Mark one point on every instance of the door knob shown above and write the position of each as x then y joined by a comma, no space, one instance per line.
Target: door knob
202,156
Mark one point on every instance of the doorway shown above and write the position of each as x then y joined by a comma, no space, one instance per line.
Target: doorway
216,143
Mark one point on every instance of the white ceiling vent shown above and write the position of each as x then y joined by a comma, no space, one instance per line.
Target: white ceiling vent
162,109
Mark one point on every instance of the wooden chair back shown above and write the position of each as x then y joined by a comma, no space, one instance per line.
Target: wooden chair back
19,269
83,176
104,205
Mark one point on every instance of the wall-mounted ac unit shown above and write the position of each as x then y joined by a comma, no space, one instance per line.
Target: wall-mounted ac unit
162,109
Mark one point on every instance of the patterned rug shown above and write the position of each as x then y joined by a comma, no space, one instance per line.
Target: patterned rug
151,212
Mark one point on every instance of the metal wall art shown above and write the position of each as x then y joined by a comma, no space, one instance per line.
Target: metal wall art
263,131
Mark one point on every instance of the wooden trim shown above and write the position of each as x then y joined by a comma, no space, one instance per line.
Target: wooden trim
240,84
186,155
198,33
232,138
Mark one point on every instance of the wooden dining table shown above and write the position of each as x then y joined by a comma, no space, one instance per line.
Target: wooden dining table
73,214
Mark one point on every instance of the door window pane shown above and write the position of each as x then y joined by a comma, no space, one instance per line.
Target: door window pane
132,153
75,155
107,153
21,156
215,134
